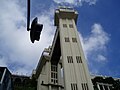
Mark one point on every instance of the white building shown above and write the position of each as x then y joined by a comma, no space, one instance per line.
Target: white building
66,53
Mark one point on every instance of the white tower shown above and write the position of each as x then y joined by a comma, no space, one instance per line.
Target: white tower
75,70
66,52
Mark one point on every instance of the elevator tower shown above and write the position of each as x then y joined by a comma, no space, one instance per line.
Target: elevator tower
75,70
65,53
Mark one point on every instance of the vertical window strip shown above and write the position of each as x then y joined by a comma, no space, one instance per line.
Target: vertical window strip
56,81
51,80
78,59
87,87
76,86
54,74
72,86
82,86
70,59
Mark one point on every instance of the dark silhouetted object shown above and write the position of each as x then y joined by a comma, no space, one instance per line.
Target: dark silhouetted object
36,28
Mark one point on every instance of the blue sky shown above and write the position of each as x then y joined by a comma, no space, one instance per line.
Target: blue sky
98,25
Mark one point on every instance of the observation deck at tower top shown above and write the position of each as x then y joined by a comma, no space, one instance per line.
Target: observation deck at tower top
65,13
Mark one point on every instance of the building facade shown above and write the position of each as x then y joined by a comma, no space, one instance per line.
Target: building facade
23,82
5,79
105,83
64,67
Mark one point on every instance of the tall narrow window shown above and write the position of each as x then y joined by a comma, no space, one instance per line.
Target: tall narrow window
74,40
67,39
87,87
54,74
74,86
78,59
70,59
83,88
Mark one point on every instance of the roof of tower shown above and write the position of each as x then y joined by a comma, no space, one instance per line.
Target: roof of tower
65,13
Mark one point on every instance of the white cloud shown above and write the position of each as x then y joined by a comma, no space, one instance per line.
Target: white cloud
75,2
95,47
97,41
15,45
101,58
90,2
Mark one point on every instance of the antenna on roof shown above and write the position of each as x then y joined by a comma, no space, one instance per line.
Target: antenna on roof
36,28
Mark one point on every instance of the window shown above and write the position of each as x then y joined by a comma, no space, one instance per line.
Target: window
67,39
82,86
56,81
74,86
71,25
54,74
51,80
64,25
85,86
70,59
74,40
78,59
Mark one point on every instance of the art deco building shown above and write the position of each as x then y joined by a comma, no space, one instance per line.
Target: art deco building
63,65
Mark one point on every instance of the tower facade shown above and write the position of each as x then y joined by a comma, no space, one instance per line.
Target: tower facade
64,66
75,71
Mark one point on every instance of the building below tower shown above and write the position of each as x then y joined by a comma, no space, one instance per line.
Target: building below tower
5,79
